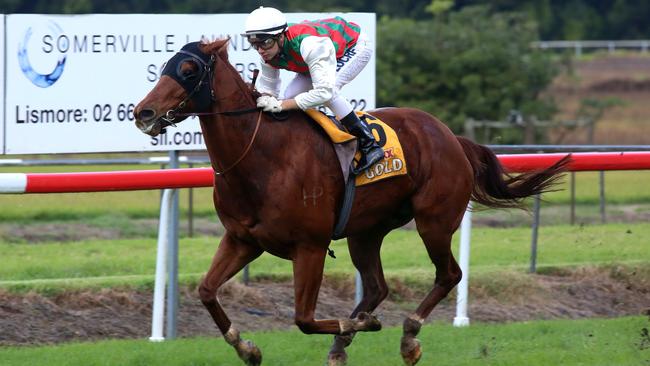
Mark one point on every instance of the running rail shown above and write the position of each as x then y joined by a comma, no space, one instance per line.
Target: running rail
204,177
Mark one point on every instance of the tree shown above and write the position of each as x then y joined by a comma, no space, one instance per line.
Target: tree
466,64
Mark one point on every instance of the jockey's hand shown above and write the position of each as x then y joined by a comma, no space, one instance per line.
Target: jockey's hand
269,104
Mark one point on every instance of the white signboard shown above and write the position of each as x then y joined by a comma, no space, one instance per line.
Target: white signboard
72,81
2,87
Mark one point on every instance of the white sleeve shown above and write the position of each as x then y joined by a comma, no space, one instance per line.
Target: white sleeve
320,56
268,81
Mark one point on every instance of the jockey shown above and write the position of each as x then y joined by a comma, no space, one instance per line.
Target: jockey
325,54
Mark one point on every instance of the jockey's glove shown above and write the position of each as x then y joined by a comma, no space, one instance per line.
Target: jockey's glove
269,104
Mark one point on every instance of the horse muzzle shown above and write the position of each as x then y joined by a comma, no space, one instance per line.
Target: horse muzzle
148,121
151,128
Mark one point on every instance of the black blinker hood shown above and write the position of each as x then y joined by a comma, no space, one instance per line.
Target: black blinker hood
198,88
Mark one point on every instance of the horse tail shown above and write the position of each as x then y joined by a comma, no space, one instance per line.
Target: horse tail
494,187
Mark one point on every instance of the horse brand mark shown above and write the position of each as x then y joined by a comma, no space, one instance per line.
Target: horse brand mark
316,192
384,167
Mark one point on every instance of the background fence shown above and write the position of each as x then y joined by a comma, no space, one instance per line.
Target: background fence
610,46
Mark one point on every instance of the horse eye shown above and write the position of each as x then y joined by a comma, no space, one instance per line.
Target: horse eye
188,74
188,71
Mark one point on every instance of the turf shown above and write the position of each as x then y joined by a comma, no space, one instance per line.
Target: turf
101,263
622,341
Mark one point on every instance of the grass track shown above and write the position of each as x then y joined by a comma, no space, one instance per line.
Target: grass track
590,342
102,263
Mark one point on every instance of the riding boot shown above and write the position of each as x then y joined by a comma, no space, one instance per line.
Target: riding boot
371,152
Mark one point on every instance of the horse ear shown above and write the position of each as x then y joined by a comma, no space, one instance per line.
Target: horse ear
223,49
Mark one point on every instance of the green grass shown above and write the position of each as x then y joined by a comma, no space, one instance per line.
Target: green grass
76,206
561,342
131,262
620,187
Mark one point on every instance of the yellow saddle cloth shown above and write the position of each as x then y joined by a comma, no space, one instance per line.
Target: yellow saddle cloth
393,163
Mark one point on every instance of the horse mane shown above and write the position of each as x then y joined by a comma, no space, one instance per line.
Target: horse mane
220,48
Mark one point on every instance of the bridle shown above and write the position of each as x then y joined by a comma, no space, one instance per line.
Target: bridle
203,97
195,88
206,71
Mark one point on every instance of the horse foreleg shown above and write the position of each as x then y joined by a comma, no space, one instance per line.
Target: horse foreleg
308,262
364,251
230,258
337,355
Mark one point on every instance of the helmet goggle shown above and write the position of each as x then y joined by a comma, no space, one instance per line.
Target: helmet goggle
264,42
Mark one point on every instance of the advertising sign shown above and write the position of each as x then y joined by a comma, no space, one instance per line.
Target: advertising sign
72,82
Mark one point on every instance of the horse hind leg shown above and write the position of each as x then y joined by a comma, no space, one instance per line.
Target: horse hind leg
230,258
436,235
365,254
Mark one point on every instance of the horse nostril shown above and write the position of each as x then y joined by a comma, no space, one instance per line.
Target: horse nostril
146,115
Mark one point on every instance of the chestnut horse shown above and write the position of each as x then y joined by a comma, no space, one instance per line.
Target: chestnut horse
278,188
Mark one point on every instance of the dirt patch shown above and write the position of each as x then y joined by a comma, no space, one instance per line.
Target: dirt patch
47,232
625,78
60,231
621,85
81,316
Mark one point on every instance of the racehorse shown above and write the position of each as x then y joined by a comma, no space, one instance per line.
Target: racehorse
278,187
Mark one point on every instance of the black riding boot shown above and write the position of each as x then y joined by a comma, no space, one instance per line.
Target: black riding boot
371,152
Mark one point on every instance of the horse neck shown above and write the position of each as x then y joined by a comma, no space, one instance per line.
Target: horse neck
231,91
225,136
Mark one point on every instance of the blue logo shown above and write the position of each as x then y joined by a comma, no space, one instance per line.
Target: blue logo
40,80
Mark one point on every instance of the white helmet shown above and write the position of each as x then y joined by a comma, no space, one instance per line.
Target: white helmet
264,22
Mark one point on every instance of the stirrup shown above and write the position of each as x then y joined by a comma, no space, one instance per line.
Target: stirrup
374,156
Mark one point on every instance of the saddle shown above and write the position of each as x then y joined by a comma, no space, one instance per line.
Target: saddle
345,146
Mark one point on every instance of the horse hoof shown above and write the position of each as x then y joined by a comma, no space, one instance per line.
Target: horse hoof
249,353
411,351
337,359
368,322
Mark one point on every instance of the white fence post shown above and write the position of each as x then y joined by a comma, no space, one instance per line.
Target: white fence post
172,257
158,313
358,285
461,318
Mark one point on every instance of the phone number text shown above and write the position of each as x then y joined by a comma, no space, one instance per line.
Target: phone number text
97,113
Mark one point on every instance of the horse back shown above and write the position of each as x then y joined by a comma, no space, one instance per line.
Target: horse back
431,149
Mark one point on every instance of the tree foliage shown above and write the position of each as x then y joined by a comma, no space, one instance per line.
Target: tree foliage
469,64
557,19
579,19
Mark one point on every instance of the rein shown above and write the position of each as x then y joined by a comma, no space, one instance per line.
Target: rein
248,148
224,113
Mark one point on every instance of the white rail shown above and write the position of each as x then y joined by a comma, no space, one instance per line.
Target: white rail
611,46
158,313
461,318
